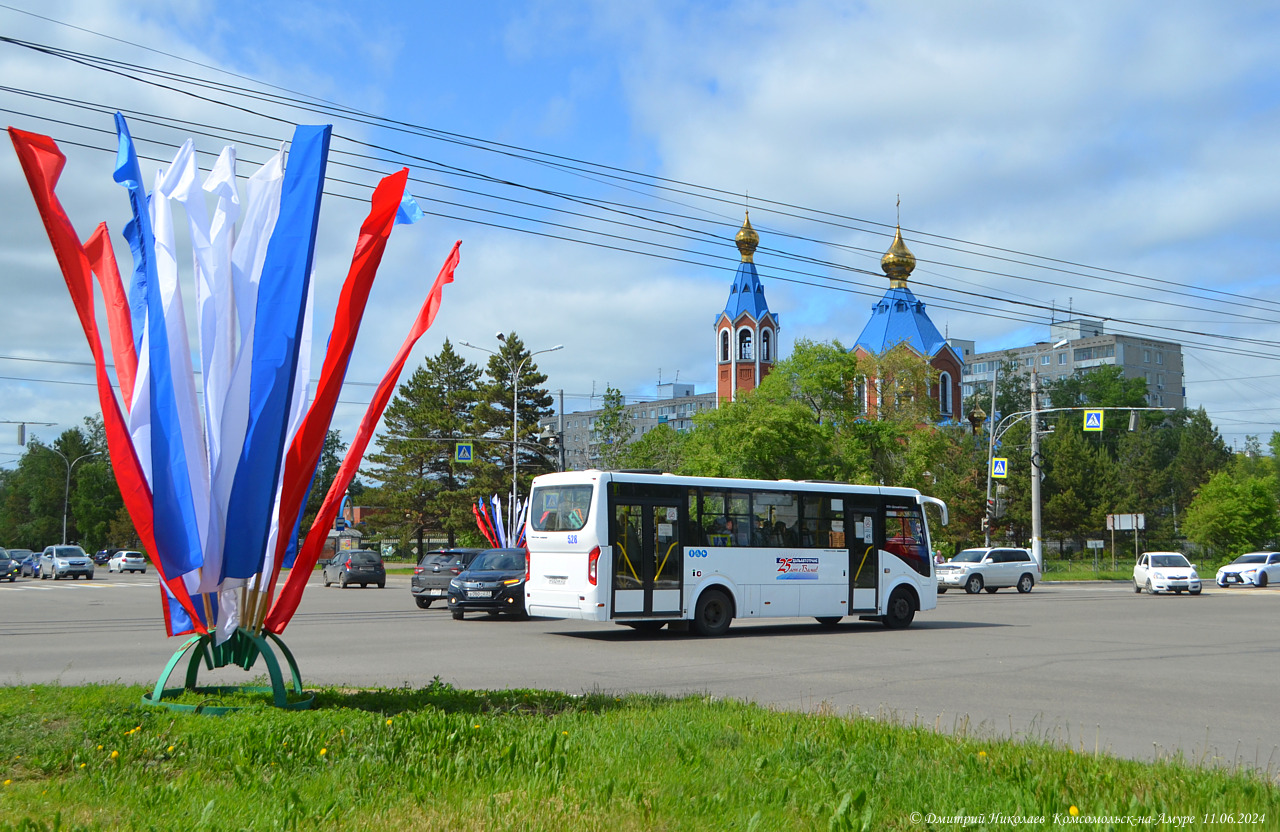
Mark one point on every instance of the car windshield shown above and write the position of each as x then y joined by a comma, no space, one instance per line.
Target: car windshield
970,556
1169,561
499,560
1252,558
68,551
364,557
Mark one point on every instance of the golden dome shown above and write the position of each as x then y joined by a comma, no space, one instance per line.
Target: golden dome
898,262
747,240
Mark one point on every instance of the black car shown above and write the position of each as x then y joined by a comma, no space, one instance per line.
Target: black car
102,556
434,571
359,566
9,567
27,560
494,582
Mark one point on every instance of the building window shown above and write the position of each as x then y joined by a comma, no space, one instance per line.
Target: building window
944,394
744,345
766,343
1159,357
1045,359
1146,356
724,345
1062,358
1030,361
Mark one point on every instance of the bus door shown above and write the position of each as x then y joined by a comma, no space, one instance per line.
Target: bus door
864,557
647,557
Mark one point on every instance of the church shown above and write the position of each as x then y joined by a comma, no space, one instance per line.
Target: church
747,332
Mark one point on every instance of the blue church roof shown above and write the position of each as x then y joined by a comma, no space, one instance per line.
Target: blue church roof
746,294
899,317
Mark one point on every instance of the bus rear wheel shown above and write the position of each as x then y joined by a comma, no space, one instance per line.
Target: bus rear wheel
713,614
900,611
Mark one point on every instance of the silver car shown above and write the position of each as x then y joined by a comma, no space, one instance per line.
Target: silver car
65,562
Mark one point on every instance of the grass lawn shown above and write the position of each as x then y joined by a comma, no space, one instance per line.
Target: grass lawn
440,758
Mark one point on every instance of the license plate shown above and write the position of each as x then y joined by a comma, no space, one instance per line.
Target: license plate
439,592
479,593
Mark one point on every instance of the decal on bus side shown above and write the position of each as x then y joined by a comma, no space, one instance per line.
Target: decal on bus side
697,553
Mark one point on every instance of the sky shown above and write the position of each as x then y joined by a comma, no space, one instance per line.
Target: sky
1117,161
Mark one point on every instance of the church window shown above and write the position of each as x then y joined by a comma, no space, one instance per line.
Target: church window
724,345
744,345
944,394
766,344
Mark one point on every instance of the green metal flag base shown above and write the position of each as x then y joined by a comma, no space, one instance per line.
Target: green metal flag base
242,649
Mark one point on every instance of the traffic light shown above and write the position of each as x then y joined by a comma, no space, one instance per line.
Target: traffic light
986,522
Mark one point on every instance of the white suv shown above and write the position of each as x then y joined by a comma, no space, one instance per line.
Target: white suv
989,569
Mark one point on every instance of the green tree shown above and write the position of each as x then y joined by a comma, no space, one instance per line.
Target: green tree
612,431
493,421
421,488
662,448
1234,513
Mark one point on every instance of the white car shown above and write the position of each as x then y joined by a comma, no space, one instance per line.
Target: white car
1257,568
127,562
1165,572
989,569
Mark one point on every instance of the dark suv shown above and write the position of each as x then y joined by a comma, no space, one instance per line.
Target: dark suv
434,571
359,566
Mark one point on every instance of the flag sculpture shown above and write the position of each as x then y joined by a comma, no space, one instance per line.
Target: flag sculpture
216,493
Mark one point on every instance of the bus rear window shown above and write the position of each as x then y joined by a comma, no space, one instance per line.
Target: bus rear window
560,508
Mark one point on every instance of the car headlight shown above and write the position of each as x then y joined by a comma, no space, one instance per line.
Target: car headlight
512,581
1252,571
455,584
1158,576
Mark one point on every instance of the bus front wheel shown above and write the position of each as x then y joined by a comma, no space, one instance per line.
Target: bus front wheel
712,615
900,611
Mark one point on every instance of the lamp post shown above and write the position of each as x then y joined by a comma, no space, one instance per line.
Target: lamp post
515,421
66,492
1037,552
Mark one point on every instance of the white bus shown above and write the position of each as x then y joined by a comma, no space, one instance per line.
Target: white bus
648,549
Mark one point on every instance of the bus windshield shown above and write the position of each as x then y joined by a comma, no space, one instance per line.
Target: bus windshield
560,508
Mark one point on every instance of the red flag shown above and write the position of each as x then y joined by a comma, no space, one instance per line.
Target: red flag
123,354
42,163
482,522
308,443
291,595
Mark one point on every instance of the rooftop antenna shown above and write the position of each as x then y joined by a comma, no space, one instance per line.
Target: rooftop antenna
659,376
677,378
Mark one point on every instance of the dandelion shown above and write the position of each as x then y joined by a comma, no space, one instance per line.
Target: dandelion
982,755
115,754
565,733
8,782
1074,811
170,749
388,722
477,725
99,748
82,765
324,751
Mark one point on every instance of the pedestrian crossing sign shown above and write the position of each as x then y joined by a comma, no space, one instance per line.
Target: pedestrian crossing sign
999,467
462,452
1093,420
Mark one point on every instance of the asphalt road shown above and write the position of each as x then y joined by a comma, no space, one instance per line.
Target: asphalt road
1093,666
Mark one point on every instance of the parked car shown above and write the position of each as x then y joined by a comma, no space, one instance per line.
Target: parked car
990,569
9,568
103,556
1257,568
28,562
494,582
1165,572
126,561
359,566
434,571
65,562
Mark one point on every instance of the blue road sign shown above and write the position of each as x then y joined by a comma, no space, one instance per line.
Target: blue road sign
1093,420
999,467
462,452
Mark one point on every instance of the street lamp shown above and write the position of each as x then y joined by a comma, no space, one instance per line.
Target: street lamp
1036,546
66,493
515,421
